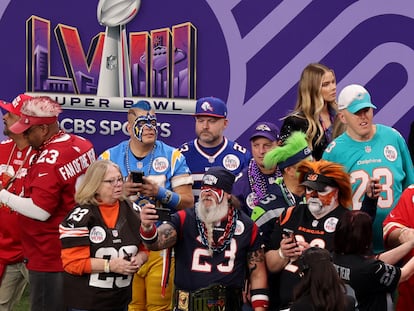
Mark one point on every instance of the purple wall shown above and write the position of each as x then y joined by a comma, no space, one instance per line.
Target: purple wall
247,54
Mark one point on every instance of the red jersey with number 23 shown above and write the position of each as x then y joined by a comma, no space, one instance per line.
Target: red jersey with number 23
50,183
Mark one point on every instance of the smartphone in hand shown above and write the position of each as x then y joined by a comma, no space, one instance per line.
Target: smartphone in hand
288,233
164,214
137,177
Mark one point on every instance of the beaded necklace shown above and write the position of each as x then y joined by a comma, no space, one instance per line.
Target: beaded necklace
227,235
258,181
287,195
127,149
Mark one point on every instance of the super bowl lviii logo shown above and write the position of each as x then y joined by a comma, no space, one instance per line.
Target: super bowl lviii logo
159,63
115,71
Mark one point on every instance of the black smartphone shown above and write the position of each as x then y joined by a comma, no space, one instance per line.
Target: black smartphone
164,214
137,177
288,233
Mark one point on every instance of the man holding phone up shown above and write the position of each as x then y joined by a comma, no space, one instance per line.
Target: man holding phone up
328,195
166,181
215,244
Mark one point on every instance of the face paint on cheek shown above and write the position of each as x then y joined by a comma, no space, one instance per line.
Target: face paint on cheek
328,196
152,123
137,128
311,193
138,133
219,193
321,203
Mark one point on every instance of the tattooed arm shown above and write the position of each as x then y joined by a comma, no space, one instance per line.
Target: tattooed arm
258,279
155,239
167,236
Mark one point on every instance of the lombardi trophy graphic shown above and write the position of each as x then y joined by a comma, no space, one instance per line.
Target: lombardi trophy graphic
115,71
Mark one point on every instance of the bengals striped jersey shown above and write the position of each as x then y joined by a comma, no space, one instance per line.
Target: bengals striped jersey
316,232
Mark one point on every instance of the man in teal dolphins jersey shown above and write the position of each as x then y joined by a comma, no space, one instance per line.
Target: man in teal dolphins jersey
370,152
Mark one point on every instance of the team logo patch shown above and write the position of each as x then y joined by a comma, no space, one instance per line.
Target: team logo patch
390,153
97,235
160,164
206,106
239,228
111,62
210,180
231,162
263,127
330,224
368,149
250,199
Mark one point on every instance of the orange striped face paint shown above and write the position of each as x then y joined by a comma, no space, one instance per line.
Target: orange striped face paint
321,203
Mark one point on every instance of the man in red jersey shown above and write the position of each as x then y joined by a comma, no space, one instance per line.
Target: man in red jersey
398,229
15,153
49,189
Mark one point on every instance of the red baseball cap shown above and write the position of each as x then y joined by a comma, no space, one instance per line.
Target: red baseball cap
15,106
39,110
26,122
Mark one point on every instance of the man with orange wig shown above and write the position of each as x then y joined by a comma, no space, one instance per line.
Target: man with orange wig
328,196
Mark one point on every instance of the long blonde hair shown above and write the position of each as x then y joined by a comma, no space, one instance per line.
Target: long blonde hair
95,174
309,102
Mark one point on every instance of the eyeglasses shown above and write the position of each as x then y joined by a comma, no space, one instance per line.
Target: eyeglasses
114,182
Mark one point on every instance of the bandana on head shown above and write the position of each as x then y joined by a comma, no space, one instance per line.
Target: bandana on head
149,121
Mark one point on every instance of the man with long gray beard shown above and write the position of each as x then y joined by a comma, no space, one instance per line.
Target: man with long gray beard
214,246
